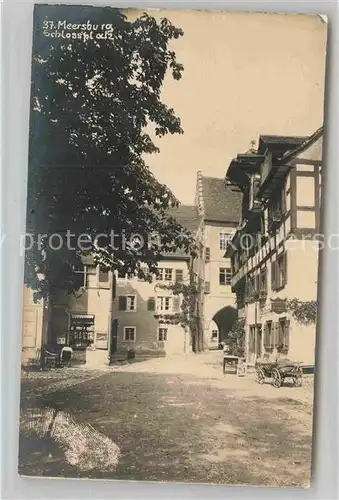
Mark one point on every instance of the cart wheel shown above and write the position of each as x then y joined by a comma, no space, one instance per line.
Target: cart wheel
276,376
260,376
297,379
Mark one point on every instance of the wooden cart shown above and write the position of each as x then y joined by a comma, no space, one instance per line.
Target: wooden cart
278,371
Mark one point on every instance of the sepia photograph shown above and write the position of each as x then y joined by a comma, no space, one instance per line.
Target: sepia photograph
172,246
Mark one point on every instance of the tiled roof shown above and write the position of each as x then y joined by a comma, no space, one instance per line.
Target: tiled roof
187,216
221,201
279,143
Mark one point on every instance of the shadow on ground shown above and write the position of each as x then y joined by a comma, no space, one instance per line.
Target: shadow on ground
179,428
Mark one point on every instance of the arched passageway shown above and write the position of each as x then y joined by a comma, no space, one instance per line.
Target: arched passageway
225,319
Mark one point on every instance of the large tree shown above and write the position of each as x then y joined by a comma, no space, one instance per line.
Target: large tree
95,97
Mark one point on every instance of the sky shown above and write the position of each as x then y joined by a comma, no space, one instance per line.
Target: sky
245,74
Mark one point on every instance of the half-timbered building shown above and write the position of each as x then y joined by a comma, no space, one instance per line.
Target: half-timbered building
274,252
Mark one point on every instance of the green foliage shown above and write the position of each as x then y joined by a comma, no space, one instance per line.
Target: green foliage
186,318
303,312
236,338
94,107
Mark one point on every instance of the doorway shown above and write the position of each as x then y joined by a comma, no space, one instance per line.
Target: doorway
259,341
251,343
114,337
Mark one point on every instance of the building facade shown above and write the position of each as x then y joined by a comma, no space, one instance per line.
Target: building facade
114,314
219,206
143,313
146,313
274,252
86,316
34,325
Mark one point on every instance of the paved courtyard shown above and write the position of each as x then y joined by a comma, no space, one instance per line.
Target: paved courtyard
178,419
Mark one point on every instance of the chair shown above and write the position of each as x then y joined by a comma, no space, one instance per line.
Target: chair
50,359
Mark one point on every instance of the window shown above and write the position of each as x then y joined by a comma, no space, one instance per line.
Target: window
277,207
225,276
81,328
129,333
263,281
251,339
164,303
179,275
283,334
127,303
165,274
251,286
279,272
207,254
168,274
151,304
103,276
89,272
224,239
162,334
268,335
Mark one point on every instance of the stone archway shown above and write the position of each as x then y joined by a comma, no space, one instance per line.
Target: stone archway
225,319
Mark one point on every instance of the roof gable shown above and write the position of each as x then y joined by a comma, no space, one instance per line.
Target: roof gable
279,144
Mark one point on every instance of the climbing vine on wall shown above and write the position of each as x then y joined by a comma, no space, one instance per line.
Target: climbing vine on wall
304,312
186,318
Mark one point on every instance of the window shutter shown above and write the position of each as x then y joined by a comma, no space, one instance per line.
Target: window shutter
179,275
281,334
176,304
246,290
276,334
285,268
256,283
273,275
151,304
114,286
266,343
122,303
283,201
271,336
287,334
207,254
